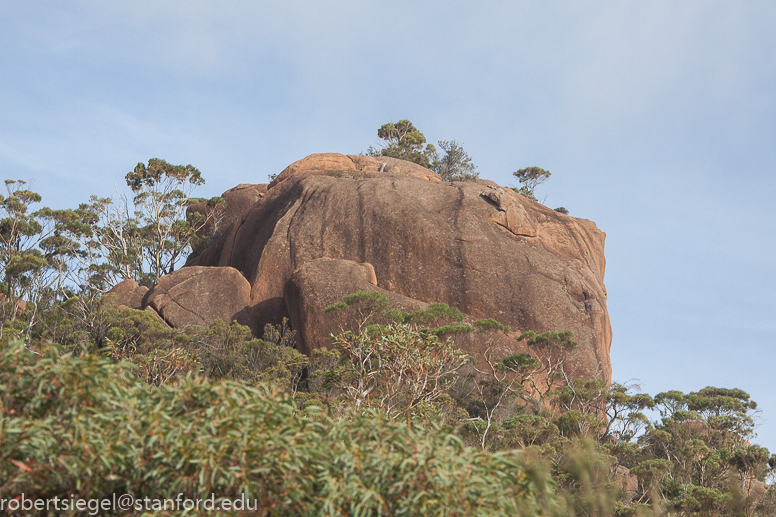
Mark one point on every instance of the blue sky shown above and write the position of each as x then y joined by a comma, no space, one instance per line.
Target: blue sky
657,120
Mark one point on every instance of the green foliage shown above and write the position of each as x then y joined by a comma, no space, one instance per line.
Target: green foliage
396,368
228,352
397,315
374,300
339,306
695,460
83,427
110,240
530,178
451,329
360,307
577,424
525,192
528,381
625,415
51,256
519,363
584,477
30,263
526,430
126,404
492,324
455,164
161,193
435,314
752,461
404,141
552,339
562,210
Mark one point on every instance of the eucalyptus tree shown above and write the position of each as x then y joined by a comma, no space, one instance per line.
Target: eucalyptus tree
404,141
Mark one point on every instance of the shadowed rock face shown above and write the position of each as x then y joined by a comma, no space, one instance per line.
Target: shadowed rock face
239,200
475,246
320,283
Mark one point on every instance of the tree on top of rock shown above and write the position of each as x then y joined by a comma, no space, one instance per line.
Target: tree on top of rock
530,177
405,142
455,164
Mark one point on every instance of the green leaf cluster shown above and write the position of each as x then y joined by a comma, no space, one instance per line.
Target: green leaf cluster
405,142
530,178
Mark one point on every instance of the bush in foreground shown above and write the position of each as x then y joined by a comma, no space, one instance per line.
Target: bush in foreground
86,427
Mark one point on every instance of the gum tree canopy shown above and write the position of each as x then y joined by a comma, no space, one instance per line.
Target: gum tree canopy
404,141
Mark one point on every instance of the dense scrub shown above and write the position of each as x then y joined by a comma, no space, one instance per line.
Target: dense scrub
392,421
88,427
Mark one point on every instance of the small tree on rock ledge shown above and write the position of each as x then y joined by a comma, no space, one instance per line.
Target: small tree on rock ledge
530,177
405,142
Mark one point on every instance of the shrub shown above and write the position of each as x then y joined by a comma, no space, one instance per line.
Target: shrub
84,427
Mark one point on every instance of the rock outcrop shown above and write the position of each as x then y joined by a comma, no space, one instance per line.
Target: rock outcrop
198,295
20,305
238,200
476,246
129,294
627,481
325,281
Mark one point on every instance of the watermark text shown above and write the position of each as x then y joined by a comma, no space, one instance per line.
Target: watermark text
127,502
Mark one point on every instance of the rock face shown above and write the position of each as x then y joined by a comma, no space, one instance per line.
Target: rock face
476,246
324,281
21,305
238,201
128,293
198,295
628,482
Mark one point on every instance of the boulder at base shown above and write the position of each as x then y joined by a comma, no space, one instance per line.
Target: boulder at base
129,293
198,295
323,282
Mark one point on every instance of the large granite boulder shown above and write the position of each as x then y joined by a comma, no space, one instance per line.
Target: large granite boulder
198,295
322,282
129,293
476,246
20,306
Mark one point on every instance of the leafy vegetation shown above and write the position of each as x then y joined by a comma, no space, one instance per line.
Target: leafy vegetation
455,164
406,142
602,450
530,178
58,263
86,427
